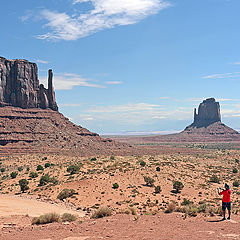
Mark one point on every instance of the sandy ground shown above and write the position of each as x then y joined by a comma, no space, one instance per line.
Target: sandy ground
121,226
15,205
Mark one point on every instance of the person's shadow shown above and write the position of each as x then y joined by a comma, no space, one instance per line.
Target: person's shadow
221,220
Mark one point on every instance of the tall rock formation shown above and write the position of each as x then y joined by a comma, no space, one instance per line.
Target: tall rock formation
19,86
30,121
208,113
207,121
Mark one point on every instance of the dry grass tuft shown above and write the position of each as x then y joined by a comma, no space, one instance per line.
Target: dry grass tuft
102,212
68,217
46,218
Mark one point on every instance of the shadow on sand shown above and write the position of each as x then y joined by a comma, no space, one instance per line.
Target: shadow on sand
214,221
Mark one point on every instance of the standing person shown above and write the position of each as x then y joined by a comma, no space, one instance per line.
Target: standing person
226,201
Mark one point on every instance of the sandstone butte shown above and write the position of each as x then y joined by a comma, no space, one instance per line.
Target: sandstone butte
206,127
30,121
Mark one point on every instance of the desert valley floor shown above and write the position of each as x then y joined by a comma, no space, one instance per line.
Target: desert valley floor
136,191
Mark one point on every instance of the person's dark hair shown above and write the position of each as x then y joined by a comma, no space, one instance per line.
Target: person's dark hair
227,186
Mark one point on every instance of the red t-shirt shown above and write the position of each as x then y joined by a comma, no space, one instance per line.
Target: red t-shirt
226,195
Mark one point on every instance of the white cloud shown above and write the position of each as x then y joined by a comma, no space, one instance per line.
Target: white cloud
41,61
123,108
222,75
105,14
67,81
113,82
236,63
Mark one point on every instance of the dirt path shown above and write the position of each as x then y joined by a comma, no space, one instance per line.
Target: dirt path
16,205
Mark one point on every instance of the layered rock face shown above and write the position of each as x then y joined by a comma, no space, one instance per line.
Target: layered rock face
208,113
19,86
30,121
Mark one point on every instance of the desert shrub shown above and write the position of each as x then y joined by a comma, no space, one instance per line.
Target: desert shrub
158,189
112,158
66,193
23,183
178,186
158,169
3,170
142,163
186,202
191,210
44,158
149,181
47,165
93,159
235,170
46,218
68,217
53,180
13,174
27,169
33,175
20,169
236,184
40,168
102,212
73,169
214,179
236,160
170,208
202,208
115,186
44,180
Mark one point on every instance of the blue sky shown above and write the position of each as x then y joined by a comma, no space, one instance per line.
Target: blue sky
130,66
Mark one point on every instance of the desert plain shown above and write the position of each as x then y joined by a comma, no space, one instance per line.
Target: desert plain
122,197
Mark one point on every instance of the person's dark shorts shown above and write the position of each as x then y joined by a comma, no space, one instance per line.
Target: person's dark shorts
226,205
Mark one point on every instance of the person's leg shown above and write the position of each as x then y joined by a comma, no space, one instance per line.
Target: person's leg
229,210
224,210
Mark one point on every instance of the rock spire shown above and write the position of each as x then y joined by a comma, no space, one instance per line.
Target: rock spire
208,113
19,86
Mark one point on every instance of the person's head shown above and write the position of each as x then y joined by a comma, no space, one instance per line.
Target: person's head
227,186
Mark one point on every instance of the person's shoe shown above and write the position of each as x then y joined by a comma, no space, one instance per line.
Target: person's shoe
223,219
228,218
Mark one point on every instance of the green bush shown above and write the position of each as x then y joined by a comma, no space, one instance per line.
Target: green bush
47,165
33,175
13,174
214,179
3,170
236,184
66,193
115,186
73,169
93,159
44,158
186,202
158,189
40,168
158,169
44,180
235,170
23,183
142,163
112,158
20,169
149,181
178,186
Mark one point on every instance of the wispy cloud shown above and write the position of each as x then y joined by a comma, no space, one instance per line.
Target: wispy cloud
124,108
113,82
67,81
41,61
222,75
105,14
235,63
